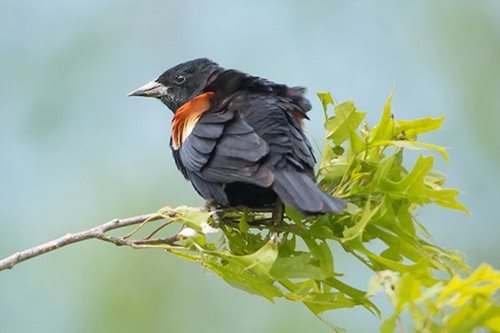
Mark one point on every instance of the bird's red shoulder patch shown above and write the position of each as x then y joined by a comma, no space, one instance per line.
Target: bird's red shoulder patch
187,116
299,115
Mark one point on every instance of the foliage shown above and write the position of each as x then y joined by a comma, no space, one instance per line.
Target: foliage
294,260
458,305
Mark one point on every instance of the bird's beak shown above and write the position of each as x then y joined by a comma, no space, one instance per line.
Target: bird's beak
151,89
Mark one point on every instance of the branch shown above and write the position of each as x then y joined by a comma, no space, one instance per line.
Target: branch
98,232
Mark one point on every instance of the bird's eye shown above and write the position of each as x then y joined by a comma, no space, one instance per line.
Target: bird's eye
180,79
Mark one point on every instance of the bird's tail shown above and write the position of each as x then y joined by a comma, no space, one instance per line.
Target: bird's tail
299,191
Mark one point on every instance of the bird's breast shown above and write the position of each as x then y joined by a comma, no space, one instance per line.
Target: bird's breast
187,116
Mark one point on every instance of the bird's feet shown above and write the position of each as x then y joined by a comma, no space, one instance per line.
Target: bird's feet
278,212
211,207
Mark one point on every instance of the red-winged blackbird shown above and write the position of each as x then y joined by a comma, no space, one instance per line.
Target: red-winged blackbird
239,138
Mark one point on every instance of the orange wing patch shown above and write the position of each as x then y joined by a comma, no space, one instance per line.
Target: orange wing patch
187,116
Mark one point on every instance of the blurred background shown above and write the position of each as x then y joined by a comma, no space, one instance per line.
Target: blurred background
76,152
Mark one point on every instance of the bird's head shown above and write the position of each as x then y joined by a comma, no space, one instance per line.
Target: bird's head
181,83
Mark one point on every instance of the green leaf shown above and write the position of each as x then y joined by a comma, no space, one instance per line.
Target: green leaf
343,126
413,145
239,278
384,130
294,215
321,252
260,262
297,267
321,302
414,127
389,324
413,186
359,226
250,272
326,99
405,219
359,296
325,257
192,217
244,222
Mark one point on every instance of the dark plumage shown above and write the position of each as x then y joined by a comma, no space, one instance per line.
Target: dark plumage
239,138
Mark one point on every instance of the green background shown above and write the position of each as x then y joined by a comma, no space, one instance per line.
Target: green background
76,152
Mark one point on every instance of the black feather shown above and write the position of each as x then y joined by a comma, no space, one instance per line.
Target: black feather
299,191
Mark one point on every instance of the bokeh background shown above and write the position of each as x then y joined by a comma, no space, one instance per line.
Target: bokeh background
76,152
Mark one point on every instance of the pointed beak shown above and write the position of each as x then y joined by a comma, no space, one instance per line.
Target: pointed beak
151,89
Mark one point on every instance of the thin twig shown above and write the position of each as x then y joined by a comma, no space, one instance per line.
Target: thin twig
98,232
157,230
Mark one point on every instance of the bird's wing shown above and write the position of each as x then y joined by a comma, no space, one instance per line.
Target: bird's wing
278,121
223,148
274,111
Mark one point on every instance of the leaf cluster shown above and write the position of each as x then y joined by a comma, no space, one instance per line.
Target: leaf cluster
458,305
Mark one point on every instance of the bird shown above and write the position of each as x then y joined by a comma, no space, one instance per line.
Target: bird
239,139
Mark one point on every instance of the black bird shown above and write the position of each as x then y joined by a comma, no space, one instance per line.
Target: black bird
239,138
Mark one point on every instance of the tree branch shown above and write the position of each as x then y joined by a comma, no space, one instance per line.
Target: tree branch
98,232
